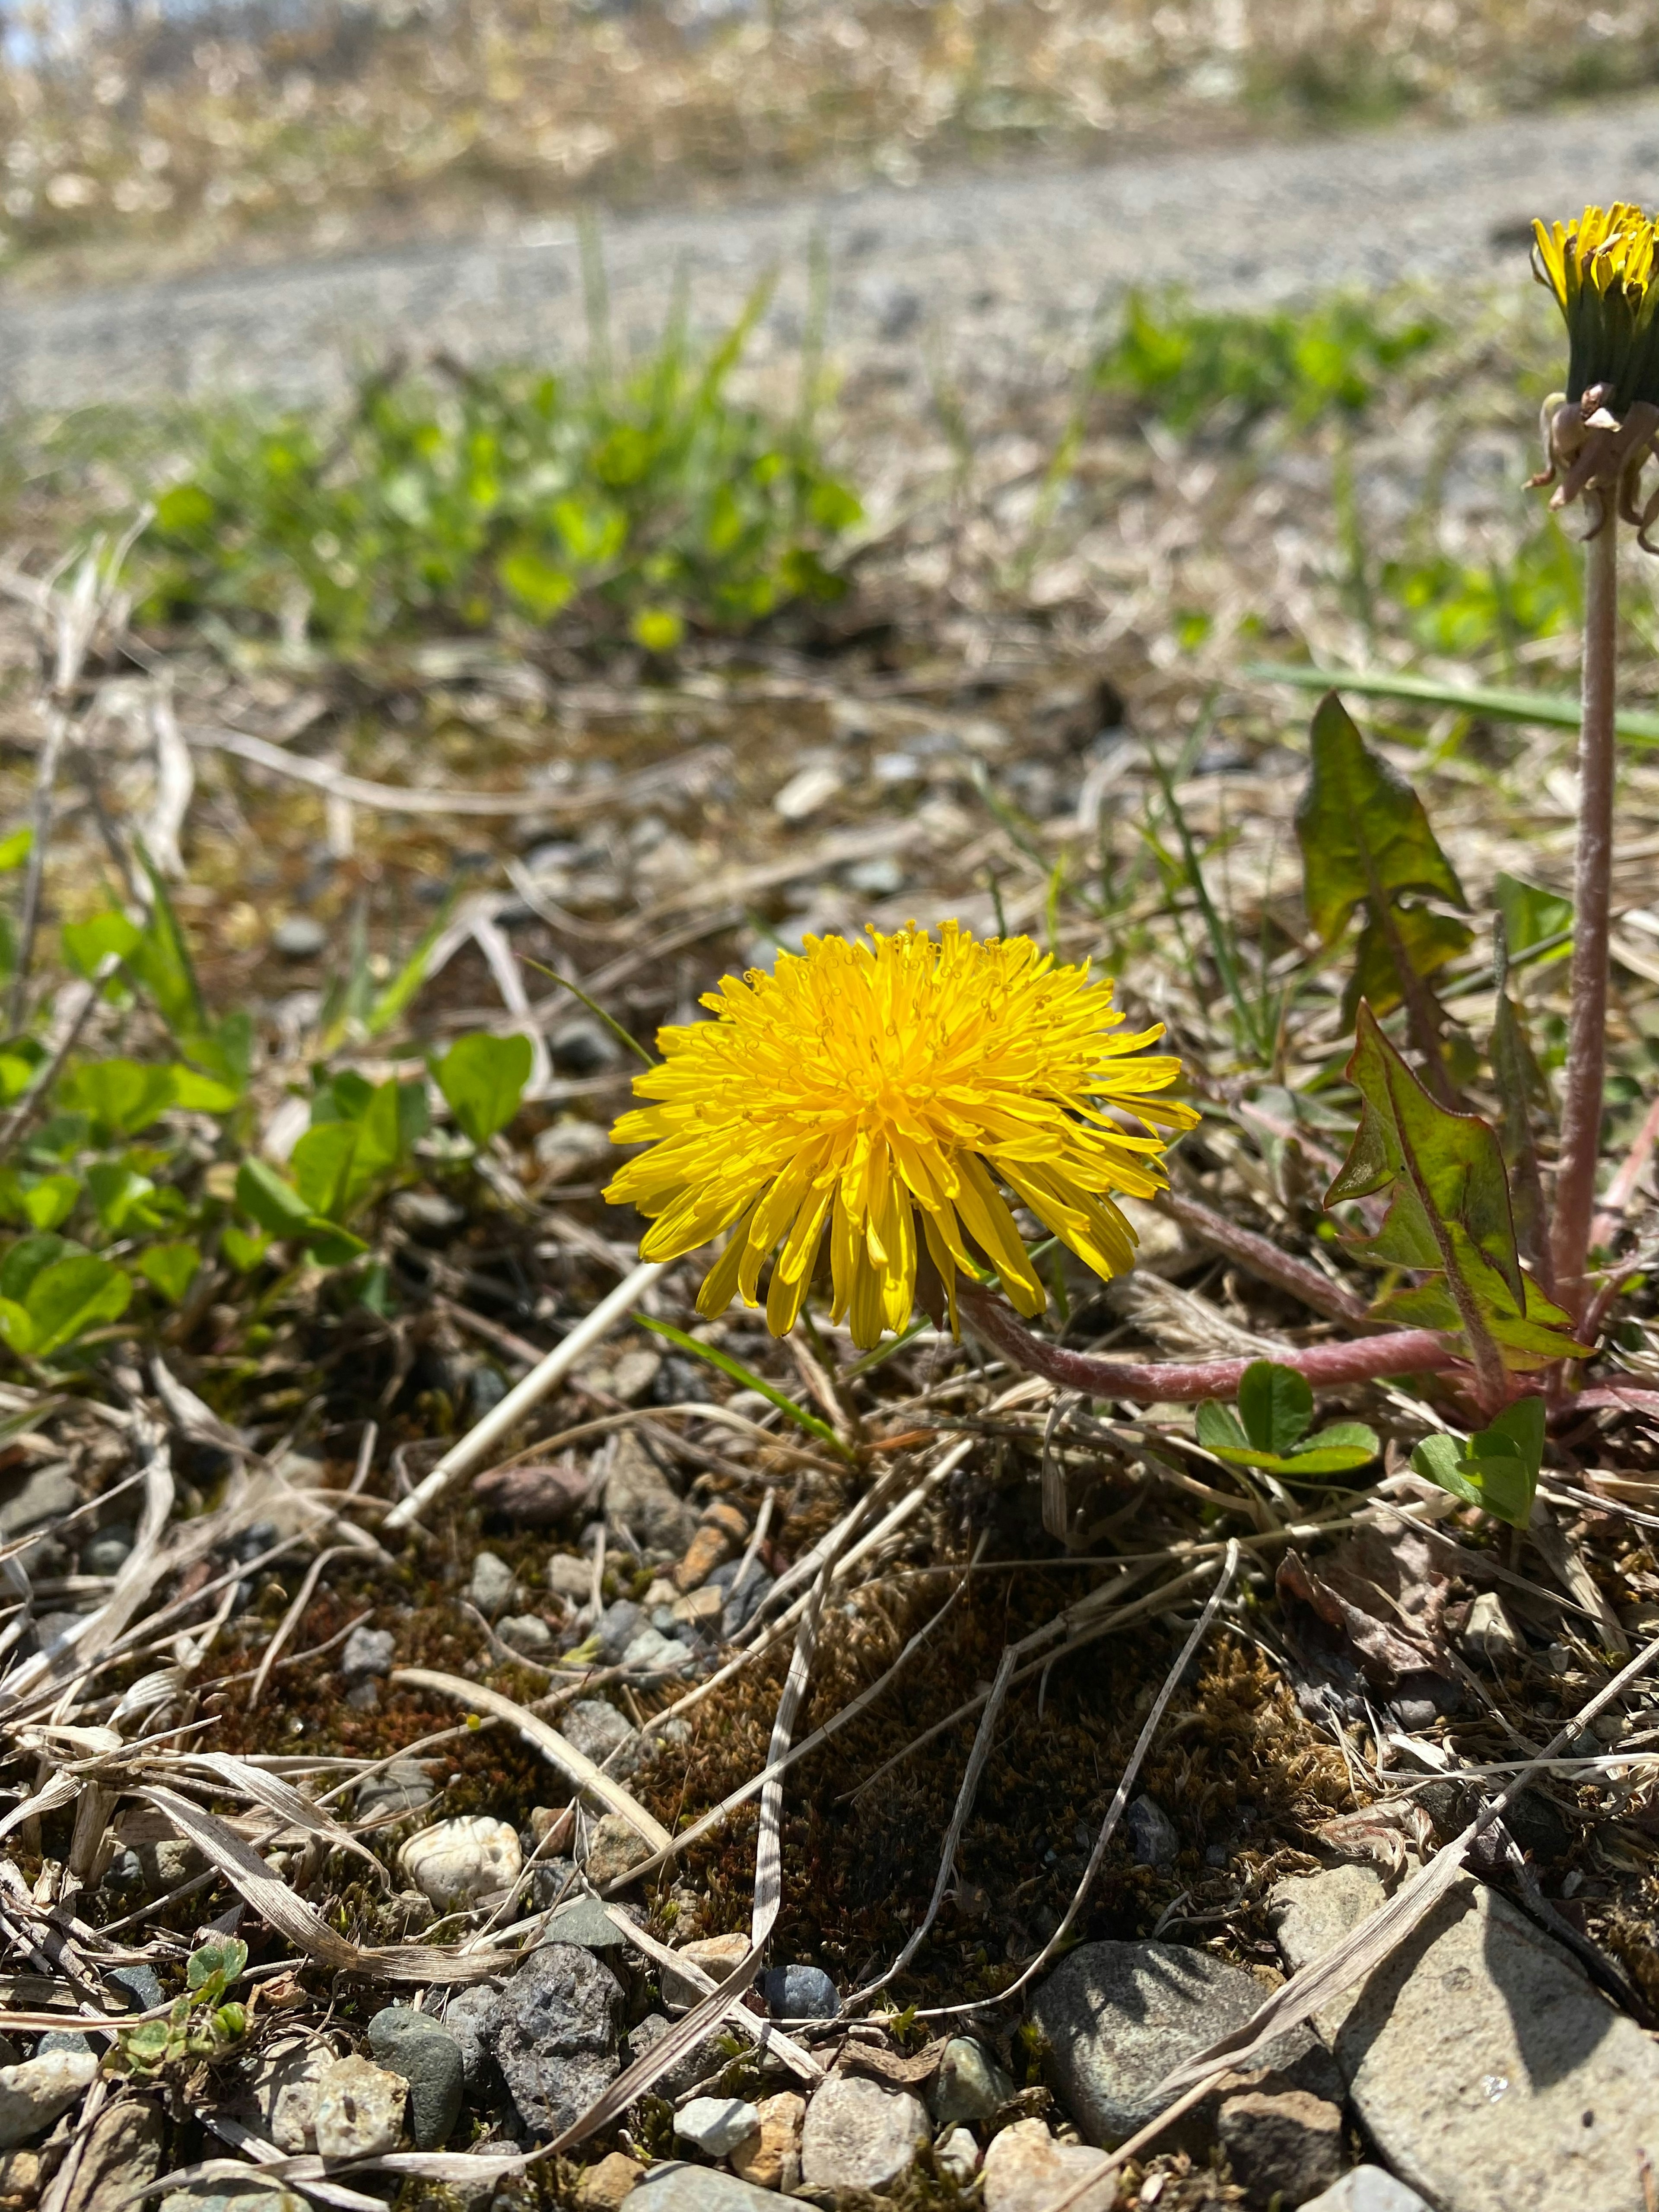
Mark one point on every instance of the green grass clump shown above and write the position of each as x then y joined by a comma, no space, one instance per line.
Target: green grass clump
1191,364
638,505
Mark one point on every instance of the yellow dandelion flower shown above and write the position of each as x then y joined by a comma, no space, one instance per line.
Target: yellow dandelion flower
1601,268
863,1087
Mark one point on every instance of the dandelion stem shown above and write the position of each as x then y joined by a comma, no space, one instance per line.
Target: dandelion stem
1327,1366
1580,1112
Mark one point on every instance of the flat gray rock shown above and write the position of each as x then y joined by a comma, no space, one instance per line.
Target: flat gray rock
1486,2068
1117,2017
553,2033
600,1732
859,2135
44,1493
676,2188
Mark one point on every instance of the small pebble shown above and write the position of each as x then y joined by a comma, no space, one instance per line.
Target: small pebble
716,1955
618,1624
616,1850
600,1733
799,1993
492,1585
403,1786
359,2113
651,1652
142,1984
602,2187
368,1651
529,1633
298,937
569,1576
771,2159
458,1862
716,2125
860,2134
970,2084
36,2090
105,1553
1490,1634
581,1047
1153,1840
959,2155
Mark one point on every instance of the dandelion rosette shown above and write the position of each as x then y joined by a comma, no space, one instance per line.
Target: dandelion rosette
863,1089
1601,269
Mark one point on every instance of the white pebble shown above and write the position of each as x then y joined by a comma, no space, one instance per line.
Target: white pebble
458,1862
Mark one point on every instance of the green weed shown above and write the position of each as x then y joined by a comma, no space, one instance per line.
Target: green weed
129,1183
1462,608
1192,364
636,506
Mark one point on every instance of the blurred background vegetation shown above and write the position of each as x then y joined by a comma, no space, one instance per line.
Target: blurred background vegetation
138,136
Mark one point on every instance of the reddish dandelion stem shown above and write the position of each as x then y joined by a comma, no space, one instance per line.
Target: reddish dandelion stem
1580,1111
1405,1351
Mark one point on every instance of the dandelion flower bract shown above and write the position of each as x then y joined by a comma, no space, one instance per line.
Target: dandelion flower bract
1599,266
865,1088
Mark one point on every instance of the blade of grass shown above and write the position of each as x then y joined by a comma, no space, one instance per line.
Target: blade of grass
1553,709
621,1036
1220,943
738,1373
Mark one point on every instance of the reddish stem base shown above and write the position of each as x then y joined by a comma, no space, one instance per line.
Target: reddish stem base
1404,1351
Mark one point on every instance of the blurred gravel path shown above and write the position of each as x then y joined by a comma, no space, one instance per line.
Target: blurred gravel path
985,277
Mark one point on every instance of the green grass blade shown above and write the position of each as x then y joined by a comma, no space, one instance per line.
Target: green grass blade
621,1036
1554,710
714,1357
1221,947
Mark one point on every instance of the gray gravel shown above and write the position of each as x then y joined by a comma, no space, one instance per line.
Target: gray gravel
996,274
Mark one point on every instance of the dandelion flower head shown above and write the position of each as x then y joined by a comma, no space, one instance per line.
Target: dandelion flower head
1601,268
878,1093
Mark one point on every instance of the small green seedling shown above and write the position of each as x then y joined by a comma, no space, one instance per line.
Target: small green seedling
201,2023
1270,1429
1496,1468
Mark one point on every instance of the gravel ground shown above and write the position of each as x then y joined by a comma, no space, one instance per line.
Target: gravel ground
983,278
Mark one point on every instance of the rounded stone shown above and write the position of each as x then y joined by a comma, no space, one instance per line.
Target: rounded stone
528,1634
859,2135
429,2058
799,1993
458,1862
105,1553
401,1786
1117,2017
616,1850
492,1585
970,2084
299,937
36,2090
